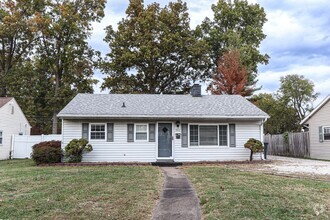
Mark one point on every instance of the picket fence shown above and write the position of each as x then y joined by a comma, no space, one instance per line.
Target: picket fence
21,145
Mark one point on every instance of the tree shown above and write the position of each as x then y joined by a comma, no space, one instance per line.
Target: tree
254,145
63,51
236,24
31,91
231,76
282,119
153,51
297,92
19,23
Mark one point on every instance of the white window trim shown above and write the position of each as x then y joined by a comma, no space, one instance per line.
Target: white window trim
1,138
90,131
137,124
323,127
208,146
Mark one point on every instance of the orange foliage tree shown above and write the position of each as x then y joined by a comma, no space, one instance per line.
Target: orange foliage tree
231,76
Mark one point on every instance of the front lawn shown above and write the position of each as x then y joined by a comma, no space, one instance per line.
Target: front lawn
101,192
232,194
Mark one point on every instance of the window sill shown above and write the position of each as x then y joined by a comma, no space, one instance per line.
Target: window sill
209,146
98,140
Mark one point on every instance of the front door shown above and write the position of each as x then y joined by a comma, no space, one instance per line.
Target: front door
164,140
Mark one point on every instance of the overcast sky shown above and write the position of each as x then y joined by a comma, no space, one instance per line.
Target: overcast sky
298,38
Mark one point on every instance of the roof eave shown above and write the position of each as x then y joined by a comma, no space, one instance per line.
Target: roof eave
69,116
315,110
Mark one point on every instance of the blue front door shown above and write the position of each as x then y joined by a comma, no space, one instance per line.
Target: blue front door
164,140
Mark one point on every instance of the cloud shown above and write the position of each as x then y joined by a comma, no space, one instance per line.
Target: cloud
298,42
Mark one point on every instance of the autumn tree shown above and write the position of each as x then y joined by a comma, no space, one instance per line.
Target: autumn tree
19,22
236,24
231,76
298,92
153,51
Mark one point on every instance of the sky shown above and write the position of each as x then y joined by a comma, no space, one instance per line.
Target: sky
298,38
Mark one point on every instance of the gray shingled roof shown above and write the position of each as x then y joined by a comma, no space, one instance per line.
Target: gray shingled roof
4,100
160,106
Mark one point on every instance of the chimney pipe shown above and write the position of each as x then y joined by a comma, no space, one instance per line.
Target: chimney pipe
196,90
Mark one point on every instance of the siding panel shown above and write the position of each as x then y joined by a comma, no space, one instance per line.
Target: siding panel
118,151
319,150
244,131
122,151
11,124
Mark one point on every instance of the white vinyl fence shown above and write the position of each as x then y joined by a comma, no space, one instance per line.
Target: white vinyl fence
21,145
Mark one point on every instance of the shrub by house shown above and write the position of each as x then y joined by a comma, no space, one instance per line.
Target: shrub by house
47,152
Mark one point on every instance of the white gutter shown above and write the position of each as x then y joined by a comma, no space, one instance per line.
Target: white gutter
63,116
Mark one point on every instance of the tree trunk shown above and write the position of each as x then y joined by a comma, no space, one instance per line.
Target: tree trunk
251,155
55,123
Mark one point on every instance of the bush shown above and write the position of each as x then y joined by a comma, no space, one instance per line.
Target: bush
254,145
47,152
76,148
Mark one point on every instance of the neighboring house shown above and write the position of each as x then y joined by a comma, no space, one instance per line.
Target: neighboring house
12,121
149,128
318,124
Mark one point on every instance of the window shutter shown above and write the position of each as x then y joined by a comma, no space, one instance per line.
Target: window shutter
109,132
152,133
321,133
232,135
85,131
130,132
184,131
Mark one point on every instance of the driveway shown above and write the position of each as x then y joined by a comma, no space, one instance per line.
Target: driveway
289,165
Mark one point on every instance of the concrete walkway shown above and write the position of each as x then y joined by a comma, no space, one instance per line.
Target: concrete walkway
178,199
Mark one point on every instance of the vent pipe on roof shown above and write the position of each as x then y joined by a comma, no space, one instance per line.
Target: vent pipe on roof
196,90
123,106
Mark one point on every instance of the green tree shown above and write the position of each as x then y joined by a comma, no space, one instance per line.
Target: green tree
282,119
236,24
63,51
154,50
31,91
298,92
19,23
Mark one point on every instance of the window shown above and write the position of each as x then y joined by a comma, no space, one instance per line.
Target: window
223,135
194,135
326,133
208,135
141,132
97,131
0,137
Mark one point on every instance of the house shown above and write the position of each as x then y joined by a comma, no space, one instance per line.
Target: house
318,124
12,121
150,128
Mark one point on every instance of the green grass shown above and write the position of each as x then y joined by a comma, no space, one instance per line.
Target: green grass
102,192
231,194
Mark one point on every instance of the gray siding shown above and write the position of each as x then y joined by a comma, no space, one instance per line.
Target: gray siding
319,150
123,151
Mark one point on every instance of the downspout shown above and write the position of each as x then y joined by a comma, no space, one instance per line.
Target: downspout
262,130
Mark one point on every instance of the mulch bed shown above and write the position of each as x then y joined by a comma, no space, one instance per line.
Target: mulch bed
148,164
